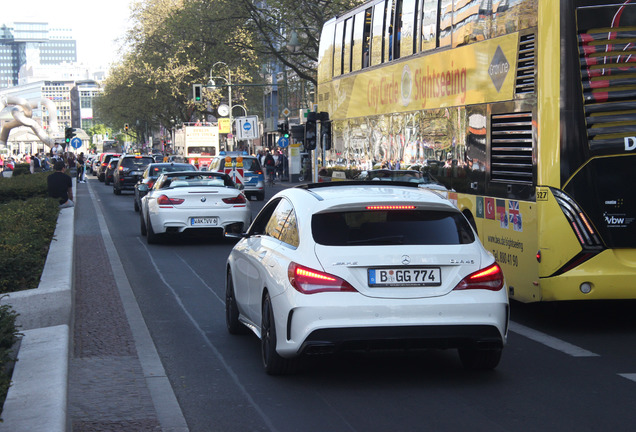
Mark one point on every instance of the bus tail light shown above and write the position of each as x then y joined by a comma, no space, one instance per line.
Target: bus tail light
490,278
581,226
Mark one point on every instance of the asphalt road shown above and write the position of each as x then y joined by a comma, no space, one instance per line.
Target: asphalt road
571,367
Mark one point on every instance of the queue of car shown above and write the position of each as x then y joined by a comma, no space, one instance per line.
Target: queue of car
385,261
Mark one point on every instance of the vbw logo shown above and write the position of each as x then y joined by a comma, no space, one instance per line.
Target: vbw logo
630,143
613,220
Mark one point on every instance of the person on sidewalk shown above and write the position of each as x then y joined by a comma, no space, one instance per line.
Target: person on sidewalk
80,168
60,185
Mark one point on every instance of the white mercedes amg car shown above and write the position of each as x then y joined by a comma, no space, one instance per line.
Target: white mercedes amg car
193,201
361,265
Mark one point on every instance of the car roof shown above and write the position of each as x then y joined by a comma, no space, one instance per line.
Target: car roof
192,173
156,164
317,197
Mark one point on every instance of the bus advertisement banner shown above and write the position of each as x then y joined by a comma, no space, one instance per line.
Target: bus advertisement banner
464,76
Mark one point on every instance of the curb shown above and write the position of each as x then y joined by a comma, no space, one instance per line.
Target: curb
37,399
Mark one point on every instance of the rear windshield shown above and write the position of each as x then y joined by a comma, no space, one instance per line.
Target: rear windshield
391,227
136,163
156,171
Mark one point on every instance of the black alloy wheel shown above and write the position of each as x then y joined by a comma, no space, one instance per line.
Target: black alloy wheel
234,326
272,361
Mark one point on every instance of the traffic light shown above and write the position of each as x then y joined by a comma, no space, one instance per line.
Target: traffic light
310,132
126,127
196,92
283,129
69,133
325,132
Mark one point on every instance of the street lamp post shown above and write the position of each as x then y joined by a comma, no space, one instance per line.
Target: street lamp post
228,81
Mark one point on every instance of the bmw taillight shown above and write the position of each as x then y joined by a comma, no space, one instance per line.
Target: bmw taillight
164,200
490,278
310,281
240,199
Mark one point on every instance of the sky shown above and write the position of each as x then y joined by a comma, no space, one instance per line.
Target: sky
95,25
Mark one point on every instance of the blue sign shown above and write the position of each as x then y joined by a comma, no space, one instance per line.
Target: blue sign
283,142
76,142
247,126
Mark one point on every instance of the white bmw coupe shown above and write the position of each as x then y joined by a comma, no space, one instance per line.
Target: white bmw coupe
193,201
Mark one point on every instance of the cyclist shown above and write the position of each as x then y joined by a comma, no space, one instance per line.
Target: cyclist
270,167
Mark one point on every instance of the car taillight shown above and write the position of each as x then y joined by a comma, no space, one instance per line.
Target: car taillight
150,184
258,171
240,199
164,200
490,278
310,281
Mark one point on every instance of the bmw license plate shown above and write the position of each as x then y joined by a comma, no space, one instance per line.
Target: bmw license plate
396,277
213,221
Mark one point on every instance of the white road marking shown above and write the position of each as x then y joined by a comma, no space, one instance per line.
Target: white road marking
629,376
550,341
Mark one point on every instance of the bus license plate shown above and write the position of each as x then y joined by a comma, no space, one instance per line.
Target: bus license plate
204,221
396,277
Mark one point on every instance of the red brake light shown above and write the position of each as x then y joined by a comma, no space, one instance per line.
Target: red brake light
164,200
310,281
150,183
390,207
240,199
491,278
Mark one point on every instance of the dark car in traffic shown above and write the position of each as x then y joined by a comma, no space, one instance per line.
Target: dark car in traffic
152,173
128,172
110,169
104,160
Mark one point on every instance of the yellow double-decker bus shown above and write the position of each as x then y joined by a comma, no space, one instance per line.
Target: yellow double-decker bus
524,109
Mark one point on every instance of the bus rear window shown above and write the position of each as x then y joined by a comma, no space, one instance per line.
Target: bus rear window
391,227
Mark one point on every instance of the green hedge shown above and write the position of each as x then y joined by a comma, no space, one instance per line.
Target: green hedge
26,230
27,222
8,337
23,187
28,218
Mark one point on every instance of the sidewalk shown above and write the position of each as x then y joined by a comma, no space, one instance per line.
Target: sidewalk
116,380
86,361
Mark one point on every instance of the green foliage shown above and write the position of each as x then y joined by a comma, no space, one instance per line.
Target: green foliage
350,173
26,229
21,169
23,187
8,337
27,223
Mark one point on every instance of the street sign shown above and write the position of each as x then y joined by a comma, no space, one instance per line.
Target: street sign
76,143
247,127
283,142
225,126
286,112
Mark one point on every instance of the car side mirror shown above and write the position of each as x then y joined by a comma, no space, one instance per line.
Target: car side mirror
240,186
142,187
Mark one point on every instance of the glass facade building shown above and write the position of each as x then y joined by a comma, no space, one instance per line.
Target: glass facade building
32,43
